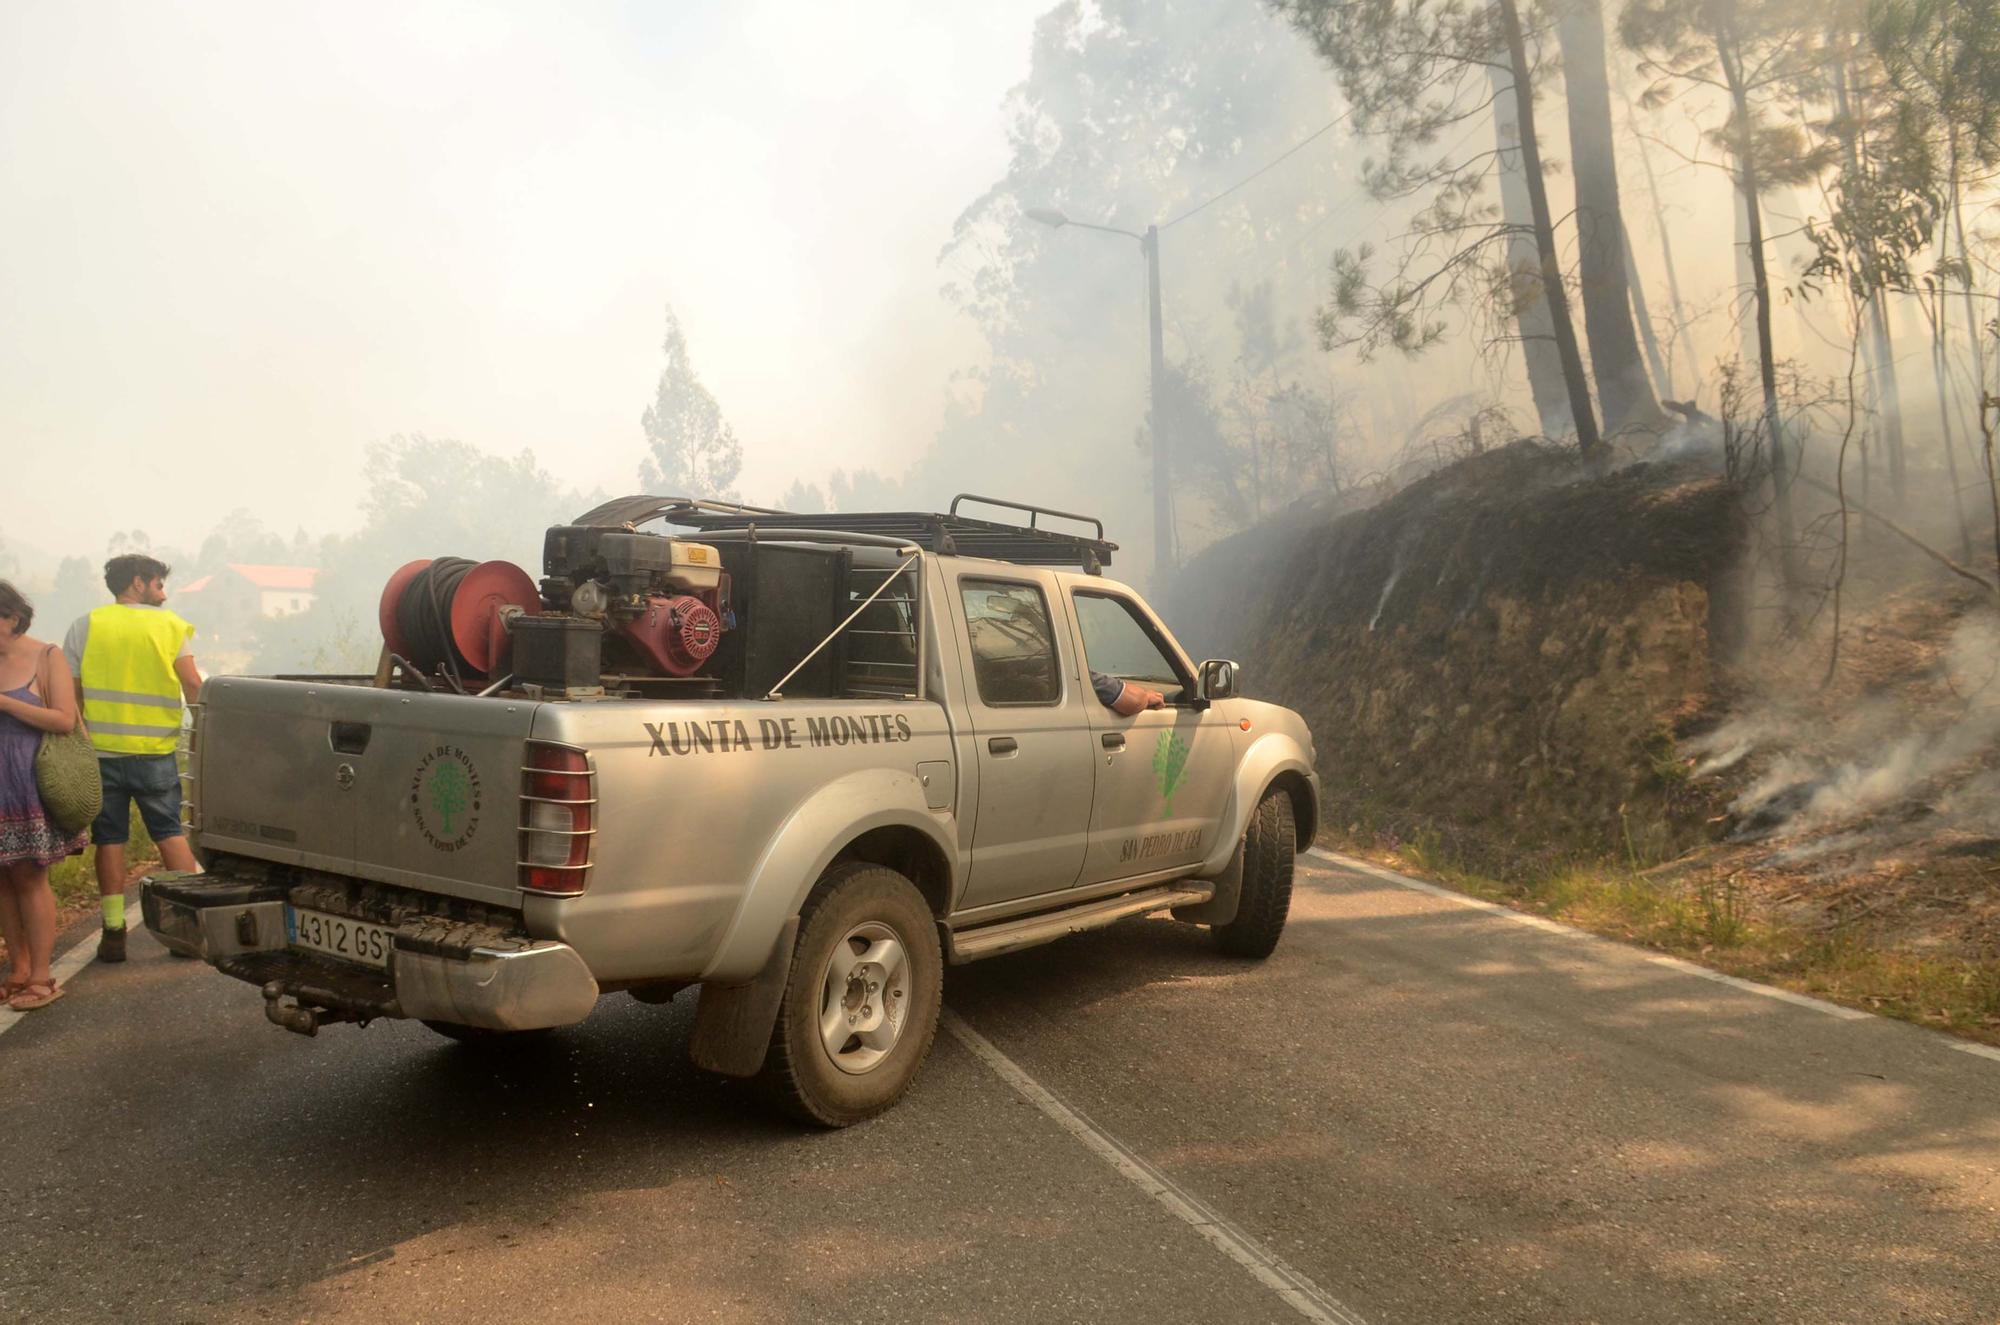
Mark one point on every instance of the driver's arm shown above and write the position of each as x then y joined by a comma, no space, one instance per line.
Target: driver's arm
1136,698
1125,698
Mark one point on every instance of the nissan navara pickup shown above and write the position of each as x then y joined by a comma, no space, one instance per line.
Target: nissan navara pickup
804,763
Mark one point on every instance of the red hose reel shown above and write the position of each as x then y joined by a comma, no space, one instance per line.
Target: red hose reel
434,608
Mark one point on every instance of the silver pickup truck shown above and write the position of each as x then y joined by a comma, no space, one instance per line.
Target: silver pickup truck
804,763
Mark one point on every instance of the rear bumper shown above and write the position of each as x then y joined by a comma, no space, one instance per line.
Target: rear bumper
469,974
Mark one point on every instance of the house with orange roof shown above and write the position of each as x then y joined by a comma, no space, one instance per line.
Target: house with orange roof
227,604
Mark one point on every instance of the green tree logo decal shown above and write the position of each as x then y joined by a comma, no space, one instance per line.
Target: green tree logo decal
1170,757
445,797
448,788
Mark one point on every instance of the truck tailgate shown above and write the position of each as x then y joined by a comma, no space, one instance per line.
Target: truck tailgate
417,790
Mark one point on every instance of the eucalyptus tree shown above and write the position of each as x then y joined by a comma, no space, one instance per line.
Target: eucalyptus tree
1603,266
1943,58
1754,53
1523,288
1885,207
1414,71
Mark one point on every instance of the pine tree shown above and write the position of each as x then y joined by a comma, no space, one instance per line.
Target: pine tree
693,452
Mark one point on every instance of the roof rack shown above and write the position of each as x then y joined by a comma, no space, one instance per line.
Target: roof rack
951,534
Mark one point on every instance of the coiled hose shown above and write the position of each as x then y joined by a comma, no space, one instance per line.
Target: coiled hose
423,616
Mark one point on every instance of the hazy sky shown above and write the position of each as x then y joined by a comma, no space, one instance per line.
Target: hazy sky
239,241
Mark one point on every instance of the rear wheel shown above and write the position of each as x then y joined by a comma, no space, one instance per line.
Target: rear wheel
861,1003
1269,844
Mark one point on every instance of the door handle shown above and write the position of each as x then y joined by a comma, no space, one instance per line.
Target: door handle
1112,740
350,738
1002,745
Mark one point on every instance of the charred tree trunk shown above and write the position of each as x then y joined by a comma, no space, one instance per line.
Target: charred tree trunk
1554,295
1622,386
1524,282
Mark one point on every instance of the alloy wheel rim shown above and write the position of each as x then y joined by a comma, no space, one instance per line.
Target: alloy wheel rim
864,997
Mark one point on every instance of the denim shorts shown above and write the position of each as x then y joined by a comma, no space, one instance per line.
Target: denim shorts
152,780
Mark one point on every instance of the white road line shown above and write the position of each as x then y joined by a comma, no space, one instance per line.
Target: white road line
1298,1292
1551,926
1982,1050
61,969
1766,991
1475,903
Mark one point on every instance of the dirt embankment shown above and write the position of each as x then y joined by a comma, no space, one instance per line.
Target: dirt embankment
1499,656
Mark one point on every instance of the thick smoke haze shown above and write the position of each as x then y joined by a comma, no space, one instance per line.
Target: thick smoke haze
241,241
244,244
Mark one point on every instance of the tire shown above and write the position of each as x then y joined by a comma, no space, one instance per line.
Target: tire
842,1051
1269,844
486,1039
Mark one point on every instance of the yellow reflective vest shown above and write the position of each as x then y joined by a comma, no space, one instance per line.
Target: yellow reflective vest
131,697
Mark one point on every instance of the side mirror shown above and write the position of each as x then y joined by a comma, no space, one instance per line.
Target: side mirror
1218,680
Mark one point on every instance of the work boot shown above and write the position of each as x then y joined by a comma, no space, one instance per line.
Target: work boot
111,948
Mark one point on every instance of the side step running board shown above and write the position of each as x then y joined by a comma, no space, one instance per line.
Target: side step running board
1046,926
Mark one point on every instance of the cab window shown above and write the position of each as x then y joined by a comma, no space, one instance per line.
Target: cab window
1013,646
1118,642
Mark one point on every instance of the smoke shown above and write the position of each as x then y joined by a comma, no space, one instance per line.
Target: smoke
1388,586
1884,770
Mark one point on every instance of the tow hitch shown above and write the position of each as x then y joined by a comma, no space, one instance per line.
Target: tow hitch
300,1017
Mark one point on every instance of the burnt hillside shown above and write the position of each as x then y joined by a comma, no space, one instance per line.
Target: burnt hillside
1497,655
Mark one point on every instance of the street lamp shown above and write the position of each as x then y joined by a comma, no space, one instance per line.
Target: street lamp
1149,244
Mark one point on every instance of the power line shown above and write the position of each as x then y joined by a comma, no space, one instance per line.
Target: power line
1268,166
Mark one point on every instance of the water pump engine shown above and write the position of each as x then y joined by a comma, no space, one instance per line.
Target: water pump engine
663,603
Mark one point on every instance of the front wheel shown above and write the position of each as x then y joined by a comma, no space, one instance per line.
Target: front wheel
861,1003
1269,845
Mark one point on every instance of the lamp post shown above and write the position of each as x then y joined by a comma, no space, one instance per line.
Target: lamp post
1149,245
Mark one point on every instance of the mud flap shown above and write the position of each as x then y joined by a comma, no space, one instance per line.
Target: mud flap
733,1023
1221,908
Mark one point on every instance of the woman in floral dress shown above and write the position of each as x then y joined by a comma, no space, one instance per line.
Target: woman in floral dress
36,696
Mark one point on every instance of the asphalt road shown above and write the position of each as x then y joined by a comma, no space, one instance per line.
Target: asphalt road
1428,1111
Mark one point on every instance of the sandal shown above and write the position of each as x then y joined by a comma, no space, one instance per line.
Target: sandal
12,987
28,1000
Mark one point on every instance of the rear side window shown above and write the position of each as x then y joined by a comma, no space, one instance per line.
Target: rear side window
1013,647
1117,642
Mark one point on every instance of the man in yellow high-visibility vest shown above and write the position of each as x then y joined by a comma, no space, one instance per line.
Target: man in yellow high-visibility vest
134,663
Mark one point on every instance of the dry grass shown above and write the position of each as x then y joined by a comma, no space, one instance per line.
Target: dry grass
1699,910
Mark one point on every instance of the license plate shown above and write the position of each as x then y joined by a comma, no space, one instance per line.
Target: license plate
338,936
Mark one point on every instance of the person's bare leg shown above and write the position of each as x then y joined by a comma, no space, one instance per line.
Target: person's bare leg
175,854
37,903
19,963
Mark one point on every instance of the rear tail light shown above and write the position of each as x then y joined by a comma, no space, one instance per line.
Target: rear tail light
558,819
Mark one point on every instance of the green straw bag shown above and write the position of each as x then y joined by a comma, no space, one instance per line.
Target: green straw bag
66,775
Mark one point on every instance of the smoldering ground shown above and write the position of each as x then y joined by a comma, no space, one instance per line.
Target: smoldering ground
1898,753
